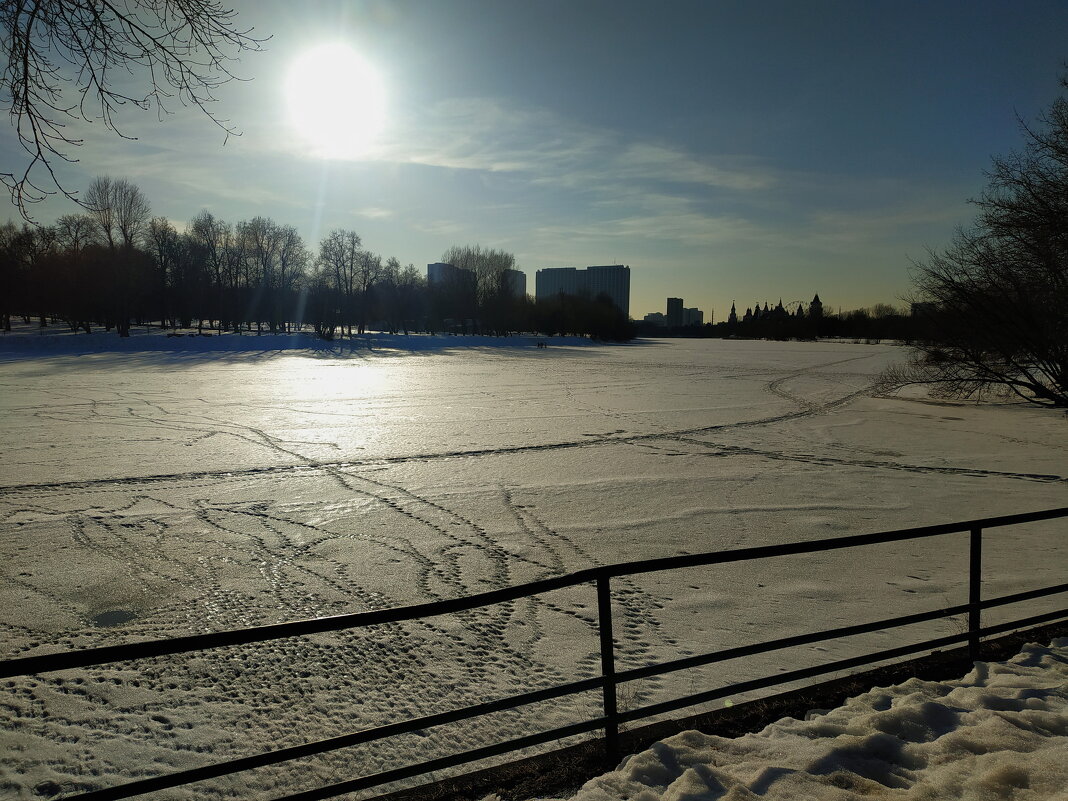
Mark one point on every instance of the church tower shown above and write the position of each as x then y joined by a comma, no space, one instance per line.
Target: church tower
815,308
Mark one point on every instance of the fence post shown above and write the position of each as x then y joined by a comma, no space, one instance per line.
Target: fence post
608,669
975,580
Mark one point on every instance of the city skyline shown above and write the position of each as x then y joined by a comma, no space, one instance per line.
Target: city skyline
723,151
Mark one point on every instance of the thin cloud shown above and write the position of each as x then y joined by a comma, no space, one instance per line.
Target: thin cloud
373,213
487,135
439,227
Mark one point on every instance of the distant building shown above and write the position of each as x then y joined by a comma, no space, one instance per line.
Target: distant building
553,281
674,312
516,283
815,308
612,280
655,318
781,311
442,273
678,316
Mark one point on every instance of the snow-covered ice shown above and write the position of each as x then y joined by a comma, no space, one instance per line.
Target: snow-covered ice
150,489
1001,732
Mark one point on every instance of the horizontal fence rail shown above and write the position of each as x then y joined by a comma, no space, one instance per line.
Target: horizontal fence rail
607,682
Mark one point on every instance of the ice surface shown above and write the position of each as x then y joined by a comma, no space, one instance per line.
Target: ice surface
150,492
1001,732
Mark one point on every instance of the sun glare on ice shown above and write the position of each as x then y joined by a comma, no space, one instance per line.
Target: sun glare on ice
336,101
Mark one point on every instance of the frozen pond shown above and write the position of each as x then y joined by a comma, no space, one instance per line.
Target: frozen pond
161,493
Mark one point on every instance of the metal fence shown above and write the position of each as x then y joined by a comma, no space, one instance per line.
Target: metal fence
607,682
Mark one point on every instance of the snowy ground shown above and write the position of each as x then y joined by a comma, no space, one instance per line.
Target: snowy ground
194,485
999,733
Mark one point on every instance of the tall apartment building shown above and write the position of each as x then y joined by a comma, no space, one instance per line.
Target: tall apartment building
678,315
674,312
441,273
612,280
516,282
553,281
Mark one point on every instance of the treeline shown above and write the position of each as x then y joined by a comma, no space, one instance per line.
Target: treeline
878,322
115,265
881,321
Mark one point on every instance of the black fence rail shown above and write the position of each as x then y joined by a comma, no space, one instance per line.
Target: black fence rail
607,682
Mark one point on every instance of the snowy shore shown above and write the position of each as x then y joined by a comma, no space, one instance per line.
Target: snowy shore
32,340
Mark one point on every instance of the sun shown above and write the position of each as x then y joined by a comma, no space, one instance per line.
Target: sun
336,101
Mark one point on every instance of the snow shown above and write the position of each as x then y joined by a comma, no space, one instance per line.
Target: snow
161,486
1001,732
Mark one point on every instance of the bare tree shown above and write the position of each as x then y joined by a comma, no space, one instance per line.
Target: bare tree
70,60
368,273
996,300
211,233
489,267
292,260
24,254
120,209
121,212
388,294
262,237
98,202
75,231
163,243
132,211
339,255
409,289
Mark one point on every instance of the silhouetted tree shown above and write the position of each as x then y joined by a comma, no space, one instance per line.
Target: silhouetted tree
24,251
164,246
399,296
580,315
490,295
999,292
291,260
322,301
410,292
368,272
75,231
388,295
263,238
209,233
121,213
339,260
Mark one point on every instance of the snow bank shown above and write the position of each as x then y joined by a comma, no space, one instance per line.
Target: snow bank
998,733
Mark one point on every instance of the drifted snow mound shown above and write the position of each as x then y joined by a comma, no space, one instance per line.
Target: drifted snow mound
998,733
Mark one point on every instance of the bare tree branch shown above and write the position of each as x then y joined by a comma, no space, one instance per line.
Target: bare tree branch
997,297
82,60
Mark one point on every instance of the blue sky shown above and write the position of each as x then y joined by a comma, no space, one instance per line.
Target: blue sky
724,150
